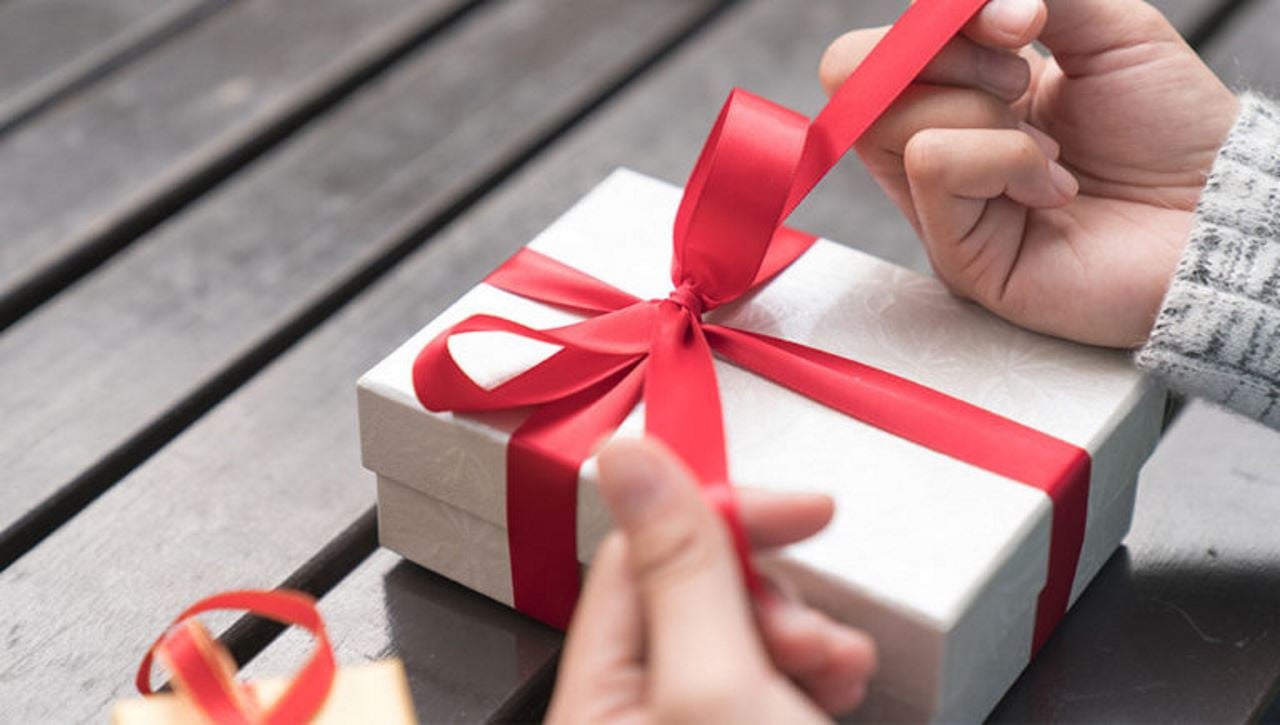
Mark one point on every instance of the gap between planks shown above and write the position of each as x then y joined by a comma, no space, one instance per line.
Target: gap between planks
43,519
84,72
100,246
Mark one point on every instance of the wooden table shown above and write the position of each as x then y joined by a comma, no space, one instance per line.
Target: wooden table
217,213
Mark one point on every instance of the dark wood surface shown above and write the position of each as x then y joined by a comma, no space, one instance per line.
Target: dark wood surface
181,419
106,165
1183,623
51,48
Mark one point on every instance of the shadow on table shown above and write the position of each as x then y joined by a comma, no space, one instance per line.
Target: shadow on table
1135,647
467,657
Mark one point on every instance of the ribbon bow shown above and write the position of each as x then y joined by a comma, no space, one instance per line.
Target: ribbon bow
758,164
204,672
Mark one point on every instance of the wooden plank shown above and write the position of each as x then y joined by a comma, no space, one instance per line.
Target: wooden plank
466,656
1244,52
250,494
51,48
171,319
657,128
119,158
1181,625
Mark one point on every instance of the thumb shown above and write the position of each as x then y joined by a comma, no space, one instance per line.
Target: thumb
697,617
1078,29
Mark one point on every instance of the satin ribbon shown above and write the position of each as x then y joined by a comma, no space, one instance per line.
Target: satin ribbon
204,673
758,164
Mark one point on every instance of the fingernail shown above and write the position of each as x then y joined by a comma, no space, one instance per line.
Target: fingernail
1012,17
778,593
1063,181
1048,145
1004,74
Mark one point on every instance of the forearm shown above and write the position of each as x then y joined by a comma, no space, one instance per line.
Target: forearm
1217,335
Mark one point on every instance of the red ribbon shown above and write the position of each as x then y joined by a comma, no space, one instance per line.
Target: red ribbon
203,671
759,162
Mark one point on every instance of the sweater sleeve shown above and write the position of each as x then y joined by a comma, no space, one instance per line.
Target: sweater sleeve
1217,335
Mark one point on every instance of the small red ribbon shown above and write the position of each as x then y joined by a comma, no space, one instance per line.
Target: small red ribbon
759,163
203,671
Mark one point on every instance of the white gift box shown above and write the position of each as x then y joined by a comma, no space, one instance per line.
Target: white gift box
942,562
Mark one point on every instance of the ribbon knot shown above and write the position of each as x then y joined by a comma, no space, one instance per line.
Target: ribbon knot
687,297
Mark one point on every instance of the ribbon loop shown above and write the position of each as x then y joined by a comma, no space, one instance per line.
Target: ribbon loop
734,199
202,668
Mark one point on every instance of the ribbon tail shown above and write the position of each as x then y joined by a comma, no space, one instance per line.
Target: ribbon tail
543,460
682,409
893,64
943,424
536,276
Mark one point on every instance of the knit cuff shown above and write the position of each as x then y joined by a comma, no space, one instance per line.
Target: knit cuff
1217,335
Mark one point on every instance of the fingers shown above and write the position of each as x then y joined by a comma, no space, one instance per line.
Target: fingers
829,661
692,597
960,180
924,107
962,62
605,643
1007,23
775,519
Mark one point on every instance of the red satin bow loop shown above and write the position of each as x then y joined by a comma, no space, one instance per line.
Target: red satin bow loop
203,671
758,164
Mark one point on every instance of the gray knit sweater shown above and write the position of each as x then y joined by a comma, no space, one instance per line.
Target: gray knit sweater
1218,333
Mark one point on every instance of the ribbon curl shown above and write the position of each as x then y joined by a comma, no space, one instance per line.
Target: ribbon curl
203,671
760,161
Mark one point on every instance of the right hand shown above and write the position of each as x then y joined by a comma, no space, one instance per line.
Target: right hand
665,630
1056,191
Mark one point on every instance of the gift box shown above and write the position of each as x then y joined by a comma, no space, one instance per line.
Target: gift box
205,688
943,560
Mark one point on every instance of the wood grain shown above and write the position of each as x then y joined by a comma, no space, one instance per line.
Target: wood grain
52,48
125,154
170,323
467,655
258,486
1245,53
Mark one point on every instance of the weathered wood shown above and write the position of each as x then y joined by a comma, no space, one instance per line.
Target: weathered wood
1181,625
120,157
466,655
1245,53
51,48
258,486
173,320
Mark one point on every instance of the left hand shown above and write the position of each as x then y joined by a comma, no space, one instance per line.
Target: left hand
665,630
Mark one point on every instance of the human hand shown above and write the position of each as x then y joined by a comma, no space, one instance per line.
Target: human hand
1056,191
665,630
